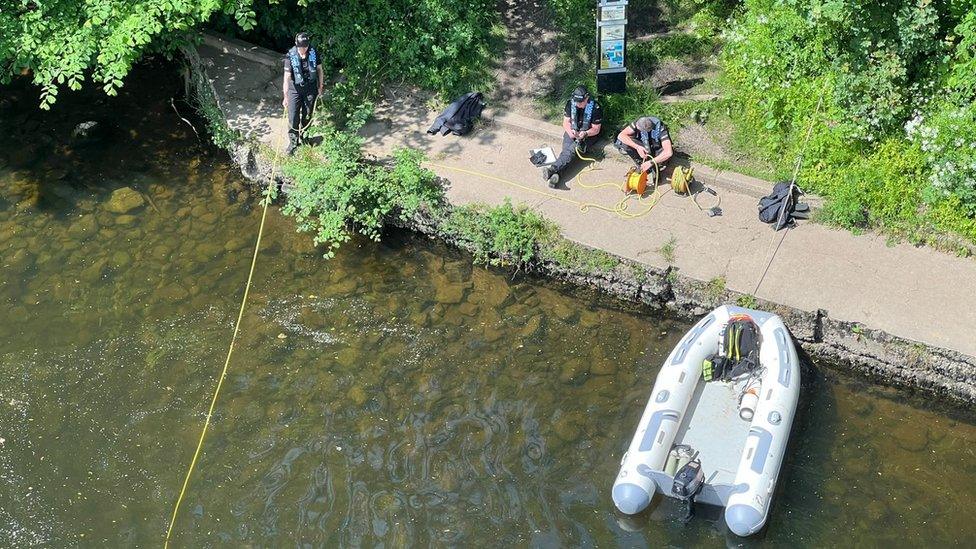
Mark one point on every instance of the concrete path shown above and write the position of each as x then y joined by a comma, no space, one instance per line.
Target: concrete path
916,293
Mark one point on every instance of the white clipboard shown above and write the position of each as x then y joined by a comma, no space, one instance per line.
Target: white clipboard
550,155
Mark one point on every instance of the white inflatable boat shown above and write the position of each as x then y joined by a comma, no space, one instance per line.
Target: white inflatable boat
690,419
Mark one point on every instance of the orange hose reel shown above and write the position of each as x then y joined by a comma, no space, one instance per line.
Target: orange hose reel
635,182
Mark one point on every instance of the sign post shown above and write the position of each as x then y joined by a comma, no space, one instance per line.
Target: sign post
611,42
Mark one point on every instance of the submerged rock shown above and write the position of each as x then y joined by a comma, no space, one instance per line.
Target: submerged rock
84,227
569,426
85,130
94,272
573,371
125,200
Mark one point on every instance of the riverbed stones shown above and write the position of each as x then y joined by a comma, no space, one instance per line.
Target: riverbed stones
126,220
569,426
532,328
603,366
63,190
125,200
20,261
573,371
94,272
450,293
121,259
83,227
173,292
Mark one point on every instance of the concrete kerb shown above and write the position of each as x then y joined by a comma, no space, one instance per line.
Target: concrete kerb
241,49
873,353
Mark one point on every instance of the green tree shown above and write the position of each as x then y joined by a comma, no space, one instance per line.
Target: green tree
64,42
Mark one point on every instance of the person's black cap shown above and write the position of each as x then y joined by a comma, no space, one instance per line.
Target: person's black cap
580,94
301,40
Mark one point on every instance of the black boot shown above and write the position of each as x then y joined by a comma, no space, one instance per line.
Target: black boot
551,176
292,144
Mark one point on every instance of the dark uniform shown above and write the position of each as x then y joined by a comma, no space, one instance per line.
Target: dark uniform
651,140
302,89
578,120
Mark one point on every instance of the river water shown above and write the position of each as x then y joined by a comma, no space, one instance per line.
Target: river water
393,396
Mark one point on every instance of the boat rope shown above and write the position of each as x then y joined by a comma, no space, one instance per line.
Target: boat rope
620,209
269,194
796,171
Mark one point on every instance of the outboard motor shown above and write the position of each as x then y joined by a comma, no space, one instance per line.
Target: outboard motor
687,483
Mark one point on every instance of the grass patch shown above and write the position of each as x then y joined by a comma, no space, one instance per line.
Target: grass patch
748,301
715,288
639,272
667,251
644,56
574,256
504,235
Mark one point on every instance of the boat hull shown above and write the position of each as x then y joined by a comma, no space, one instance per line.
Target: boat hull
741,459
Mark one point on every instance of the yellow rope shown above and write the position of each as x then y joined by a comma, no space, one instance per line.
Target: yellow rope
620,209
620,206
230,349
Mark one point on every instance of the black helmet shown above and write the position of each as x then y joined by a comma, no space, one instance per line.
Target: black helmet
301,39
580,94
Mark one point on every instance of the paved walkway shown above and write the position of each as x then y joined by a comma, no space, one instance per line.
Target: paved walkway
916,293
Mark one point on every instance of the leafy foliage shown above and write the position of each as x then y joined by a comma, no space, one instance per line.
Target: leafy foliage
893,143
441,45
571,255
438,44
64,42
336,193
501,235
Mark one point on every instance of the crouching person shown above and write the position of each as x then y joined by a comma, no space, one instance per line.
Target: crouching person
582,120
646,142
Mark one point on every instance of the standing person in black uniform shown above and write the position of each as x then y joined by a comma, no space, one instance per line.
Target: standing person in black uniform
301,85
646,142
582,120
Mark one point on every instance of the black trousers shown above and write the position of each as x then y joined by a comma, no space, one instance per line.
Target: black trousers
299,110
569,151
632,152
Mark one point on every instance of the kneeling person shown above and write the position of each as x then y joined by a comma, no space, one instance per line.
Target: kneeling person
582,120
646,142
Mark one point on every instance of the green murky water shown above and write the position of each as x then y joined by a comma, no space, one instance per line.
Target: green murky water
394,396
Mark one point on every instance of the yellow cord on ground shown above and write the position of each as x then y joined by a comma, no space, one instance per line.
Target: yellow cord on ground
230,350
622,205
620,209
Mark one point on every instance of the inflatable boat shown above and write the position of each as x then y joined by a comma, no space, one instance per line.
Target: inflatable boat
718,419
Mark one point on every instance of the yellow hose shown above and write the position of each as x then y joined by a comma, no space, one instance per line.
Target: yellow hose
619,209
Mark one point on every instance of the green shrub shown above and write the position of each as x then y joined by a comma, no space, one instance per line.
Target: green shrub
847,208
68,42
948,139
335,193
871,67
502,235
446,46
574,256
